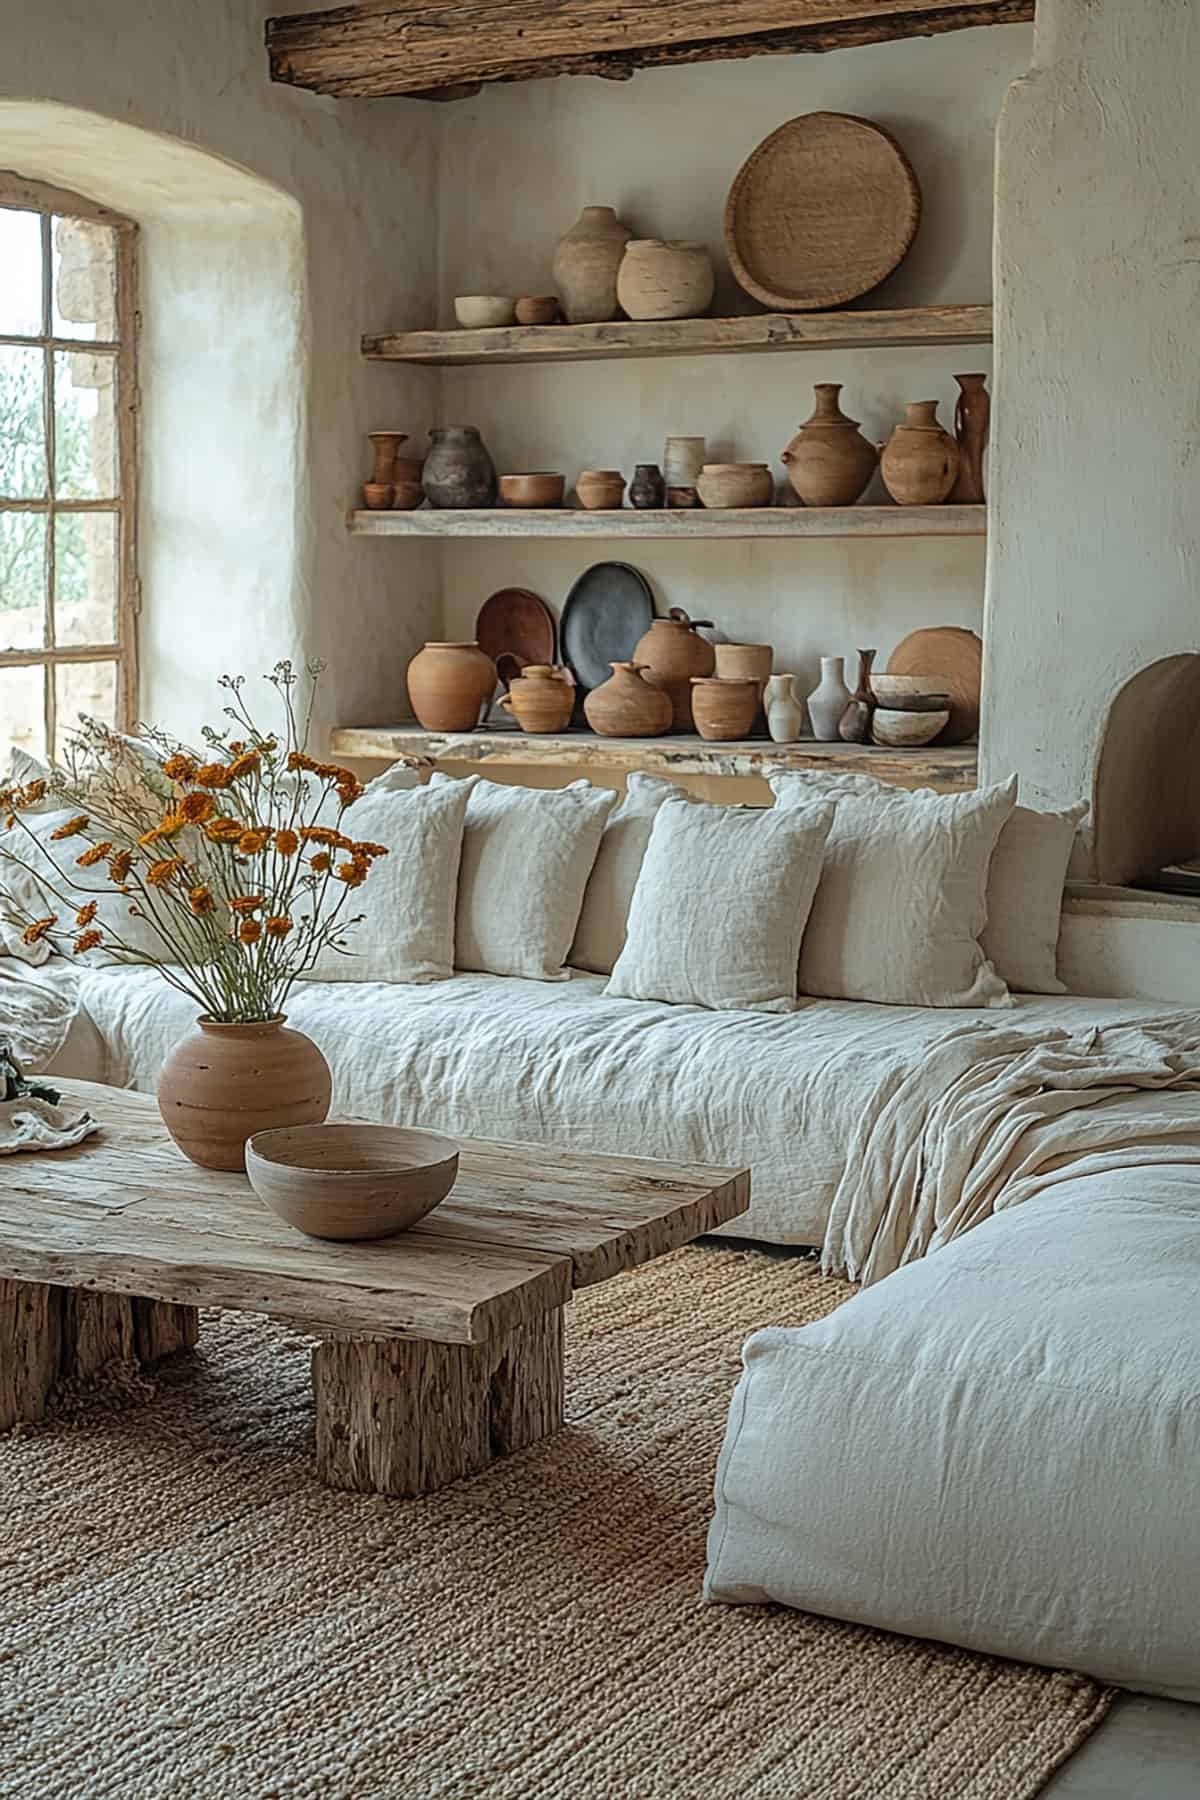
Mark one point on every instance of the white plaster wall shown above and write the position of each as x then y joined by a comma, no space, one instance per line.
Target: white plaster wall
1094,556
518,163
278,227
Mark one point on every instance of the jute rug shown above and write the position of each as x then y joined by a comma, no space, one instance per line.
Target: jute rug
185,1611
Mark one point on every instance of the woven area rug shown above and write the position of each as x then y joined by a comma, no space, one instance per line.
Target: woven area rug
185,1611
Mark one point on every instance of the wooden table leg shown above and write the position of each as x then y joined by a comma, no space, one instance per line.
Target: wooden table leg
397,1416
48,1334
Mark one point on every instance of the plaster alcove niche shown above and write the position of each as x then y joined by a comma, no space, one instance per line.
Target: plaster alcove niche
1146,809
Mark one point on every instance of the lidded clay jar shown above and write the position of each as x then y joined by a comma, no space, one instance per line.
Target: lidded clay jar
672,652
449,685
829,461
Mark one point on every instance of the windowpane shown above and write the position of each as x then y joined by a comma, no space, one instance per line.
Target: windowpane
22,421
22,711
89,688
21,265
84,258
22,580
85,578
85,431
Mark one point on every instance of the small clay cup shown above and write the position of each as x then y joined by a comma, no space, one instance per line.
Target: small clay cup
537,309
540,489
377,495
407,495
600,490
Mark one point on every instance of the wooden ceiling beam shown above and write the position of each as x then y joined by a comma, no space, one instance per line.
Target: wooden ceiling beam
412,48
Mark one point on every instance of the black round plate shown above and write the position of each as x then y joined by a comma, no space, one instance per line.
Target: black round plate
606,613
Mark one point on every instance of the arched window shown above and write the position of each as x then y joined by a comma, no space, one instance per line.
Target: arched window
68,396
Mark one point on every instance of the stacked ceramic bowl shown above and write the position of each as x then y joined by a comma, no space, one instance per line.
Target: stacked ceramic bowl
912,710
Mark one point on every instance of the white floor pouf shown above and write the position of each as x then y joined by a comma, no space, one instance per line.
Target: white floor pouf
998,1447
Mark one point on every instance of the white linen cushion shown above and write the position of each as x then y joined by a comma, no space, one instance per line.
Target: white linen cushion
526,857
1024,898
996,1447
903,894
600,934
720,906
406,906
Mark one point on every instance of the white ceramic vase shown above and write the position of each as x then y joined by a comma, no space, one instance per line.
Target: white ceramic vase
785,714
829,699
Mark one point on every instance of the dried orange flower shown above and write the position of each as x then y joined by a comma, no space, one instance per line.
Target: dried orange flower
245,903
236,747
224,831
150,837
201,901
86,914
159,873
179,768
349,790
325,834
354,872
243,765
30,794
91,857
253,841
87,940
370,850
249,931
33,934
297,760
71,828
286,842
278,927
197,808
321,863
212,775
120,865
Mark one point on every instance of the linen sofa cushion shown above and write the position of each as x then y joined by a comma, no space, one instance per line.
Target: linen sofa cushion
903,895
600,934
527,854
995,1446
720,906
1024,898
406,907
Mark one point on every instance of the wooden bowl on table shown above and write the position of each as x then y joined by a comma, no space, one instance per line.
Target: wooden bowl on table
542,488
351,1181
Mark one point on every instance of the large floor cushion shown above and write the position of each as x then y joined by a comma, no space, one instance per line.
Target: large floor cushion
998,1447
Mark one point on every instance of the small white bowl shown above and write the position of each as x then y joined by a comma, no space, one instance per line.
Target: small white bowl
481,312
351,1181
907,730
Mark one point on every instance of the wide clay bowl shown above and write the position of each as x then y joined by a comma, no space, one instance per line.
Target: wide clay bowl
911,693
907,730
483,312
351,1181
539,489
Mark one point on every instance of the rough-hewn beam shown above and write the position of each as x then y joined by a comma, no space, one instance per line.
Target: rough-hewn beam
410,47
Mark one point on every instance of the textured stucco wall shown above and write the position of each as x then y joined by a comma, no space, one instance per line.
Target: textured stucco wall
277,228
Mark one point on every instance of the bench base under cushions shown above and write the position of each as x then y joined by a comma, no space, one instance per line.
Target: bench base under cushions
998,1447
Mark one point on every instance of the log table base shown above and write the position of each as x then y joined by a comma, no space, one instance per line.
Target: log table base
49,1334
396,1416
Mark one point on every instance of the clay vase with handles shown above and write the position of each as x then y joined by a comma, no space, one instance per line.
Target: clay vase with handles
459,471
672,653
542,698
627,705
829,461
785,714
972,419
829,699
854,726
586,264
919,464
224,1082
449,685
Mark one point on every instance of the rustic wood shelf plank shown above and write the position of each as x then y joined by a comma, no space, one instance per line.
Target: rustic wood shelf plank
742,522
950,769
898,328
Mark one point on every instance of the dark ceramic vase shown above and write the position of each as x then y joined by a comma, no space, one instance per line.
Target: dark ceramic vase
458,471
647,490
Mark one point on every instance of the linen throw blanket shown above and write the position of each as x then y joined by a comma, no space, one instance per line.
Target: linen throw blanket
34,1021
993,1116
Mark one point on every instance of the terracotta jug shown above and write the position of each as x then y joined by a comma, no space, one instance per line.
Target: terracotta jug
829,699
972,419
920,461
665,280
672,652
586,264
223,1082
785,714
458,471
542,698
724,707
385,444
854,726
829,461
449,684
627,705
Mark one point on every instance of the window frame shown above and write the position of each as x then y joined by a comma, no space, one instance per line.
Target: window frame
20,194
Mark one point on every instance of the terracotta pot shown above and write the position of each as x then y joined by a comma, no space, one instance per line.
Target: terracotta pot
829,699
586,264
920,461
647,490
745,662
854,726
377,495
449,684
785,714
541,698
541,488
385,445
829,461
408,468
222,1083
672,652
683,459
660,280
407,495
537,309
724,709
458,470
600,490
627,705
736,484
972,419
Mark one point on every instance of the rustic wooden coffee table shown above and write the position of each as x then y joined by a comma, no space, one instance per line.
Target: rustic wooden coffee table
440,1349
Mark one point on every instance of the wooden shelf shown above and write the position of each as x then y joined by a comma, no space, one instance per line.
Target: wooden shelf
949,769
743,522
904,327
